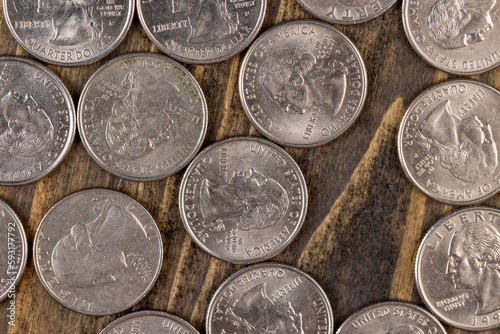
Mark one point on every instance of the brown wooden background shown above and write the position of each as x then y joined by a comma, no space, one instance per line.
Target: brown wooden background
365,219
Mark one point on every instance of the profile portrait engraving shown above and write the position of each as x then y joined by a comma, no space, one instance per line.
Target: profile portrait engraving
406,329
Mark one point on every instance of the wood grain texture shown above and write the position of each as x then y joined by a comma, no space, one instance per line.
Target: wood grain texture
365,220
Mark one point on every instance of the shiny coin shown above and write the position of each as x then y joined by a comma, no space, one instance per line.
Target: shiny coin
270,298
460,37
302,83
447,142
142,116
201,32
457,268
243,200
71,32
105,258
37,121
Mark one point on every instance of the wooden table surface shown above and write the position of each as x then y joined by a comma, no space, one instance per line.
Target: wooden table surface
364,223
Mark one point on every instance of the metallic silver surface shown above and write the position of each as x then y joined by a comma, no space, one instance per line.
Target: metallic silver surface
302,83
142,116
97,252
243,199
270,298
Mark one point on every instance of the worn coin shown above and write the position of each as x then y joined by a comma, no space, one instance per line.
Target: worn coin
392,318
457,268
37,121
201,32
243,199
460,37
447,142
302,83
68,32
98,252
270,298
142,116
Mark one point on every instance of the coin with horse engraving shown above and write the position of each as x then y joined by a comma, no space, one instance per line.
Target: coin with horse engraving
243,199
97,252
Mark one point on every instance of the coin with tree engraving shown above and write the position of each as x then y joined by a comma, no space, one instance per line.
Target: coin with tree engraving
269,298
97,252
447,142
302,83
458,268
142,116
243,199
201,32
68,32
37,121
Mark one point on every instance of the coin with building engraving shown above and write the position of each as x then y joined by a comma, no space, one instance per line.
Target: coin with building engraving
37,121
243,199
302,83
201,31
97,252
68,32
270,298
448,142
142,116
458,268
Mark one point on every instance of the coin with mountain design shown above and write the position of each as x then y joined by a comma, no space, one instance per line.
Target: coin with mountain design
149,322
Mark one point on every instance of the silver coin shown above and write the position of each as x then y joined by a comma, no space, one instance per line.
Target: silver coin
37,121
142,116
270,298
392,318
149,322
460,37
13,253
243,199
457,268
97,252
201,32
447,142
302,83
68,32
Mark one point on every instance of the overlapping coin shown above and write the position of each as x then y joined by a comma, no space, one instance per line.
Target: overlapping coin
142,116
149,322
243,199
269,298
98,252
448,142
302,83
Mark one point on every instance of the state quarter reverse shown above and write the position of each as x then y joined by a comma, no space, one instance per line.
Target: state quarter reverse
149,322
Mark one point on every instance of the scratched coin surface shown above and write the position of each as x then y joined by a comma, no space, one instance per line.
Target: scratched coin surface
68,32
37,121
12,255
448,142
270,298
199,31
97,252
459,36
457,268
243,199
142,116
302,83
392,318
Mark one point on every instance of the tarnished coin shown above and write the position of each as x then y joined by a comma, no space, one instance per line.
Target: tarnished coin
13,254
149,322
302,83
201,32
270,298
37,121
142,116
456,36
458,271
392,318
243,199
98,252
448,142
68,32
